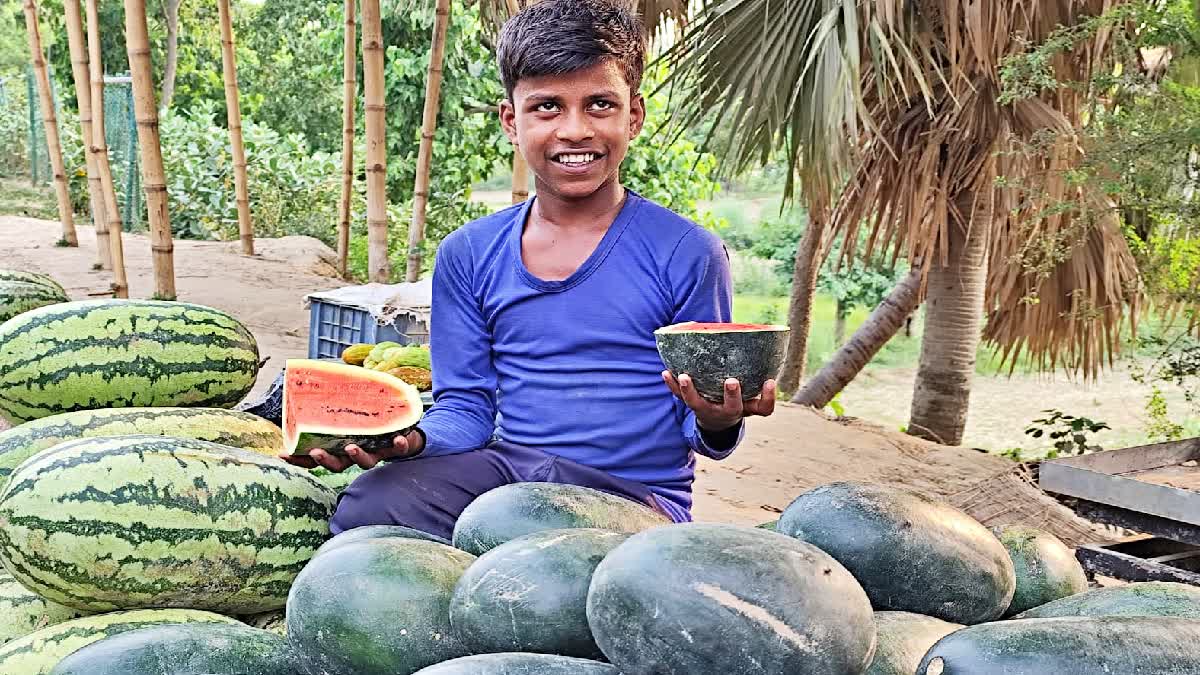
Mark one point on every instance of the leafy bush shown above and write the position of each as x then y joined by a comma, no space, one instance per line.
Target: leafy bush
14,125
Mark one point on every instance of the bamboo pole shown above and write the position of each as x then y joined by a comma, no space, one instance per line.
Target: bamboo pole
378,266
520,168
98,149
350,85
154,183
50,121
433,91
83,96
234,115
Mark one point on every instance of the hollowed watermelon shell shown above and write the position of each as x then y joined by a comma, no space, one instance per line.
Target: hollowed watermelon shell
330,405
711,352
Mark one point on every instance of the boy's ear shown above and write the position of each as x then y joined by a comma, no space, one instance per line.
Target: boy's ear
508,120
637,115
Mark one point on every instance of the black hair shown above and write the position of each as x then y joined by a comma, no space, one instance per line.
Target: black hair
556,37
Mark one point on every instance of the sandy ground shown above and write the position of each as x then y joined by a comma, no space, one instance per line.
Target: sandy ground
785,454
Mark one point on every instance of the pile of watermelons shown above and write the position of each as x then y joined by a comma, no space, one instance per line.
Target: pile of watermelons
146,529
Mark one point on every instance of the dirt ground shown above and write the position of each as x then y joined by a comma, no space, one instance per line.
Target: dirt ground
785,454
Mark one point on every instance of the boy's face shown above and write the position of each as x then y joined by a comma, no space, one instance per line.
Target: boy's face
574,129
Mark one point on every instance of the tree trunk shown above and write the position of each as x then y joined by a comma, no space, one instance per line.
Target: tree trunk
99,152
233,113
153,177
50,121
953,322
433,89
839,323
76,43
379,268
520,168
349,77
866,342
168,84
804,287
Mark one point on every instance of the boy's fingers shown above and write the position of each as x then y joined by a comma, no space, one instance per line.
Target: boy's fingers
764,404
360,457
298,460
733,398
672,384
334,464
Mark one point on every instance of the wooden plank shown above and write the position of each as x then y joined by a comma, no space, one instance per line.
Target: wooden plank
1101,560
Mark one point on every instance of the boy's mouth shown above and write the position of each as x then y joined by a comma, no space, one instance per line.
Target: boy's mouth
577,160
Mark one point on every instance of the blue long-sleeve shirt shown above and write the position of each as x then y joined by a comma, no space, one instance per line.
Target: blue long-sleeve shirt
571,365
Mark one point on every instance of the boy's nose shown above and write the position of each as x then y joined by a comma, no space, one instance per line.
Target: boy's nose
575,128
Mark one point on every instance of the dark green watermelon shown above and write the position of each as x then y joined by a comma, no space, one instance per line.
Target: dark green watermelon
376,607
1046,569
519,664
710,353
530,594
517,509
1148,598
184,649
910,553
1069,646
902,639
377,532
702,598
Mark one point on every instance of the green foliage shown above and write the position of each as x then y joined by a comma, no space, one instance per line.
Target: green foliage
1160,427
14,124
14,49
1069,433
859,283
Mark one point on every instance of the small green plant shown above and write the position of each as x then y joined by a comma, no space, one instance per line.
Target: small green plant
836,406
1160,425
1069,433
1015,454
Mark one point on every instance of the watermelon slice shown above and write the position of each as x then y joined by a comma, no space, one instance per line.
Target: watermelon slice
329,405
711,352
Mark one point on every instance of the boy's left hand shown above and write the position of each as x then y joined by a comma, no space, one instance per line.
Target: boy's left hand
718,416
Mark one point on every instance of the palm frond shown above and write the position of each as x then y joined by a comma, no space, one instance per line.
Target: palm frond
655,14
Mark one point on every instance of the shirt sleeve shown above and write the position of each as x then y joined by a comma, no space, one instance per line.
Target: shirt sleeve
463,415
702,285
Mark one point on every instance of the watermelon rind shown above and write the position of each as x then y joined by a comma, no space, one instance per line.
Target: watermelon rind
1144,598
18,297
1046,569
120,354
514,663
32,278
903,639
378,532
711,353
145,521
22,611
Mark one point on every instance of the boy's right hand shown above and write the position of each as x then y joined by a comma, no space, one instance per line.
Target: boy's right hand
402,446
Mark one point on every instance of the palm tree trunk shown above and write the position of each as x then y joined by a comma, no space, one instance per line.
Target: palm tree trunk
99,152
153,177
379,268
50,121
172,59
953,323
804,287
233,113
866,342
839,322
73,16
349,77
433,89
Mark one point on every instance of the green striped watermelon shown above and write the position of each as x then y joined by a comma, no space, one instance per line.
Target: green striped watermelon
23,611
227,427
32,278
150,521
18,297
120,354
38,653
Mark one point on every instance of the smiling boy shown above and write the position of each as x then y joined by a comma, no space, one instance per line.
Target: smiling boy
545,311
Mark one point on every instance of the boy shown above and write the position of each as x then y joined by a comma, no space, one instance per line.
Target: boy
554,302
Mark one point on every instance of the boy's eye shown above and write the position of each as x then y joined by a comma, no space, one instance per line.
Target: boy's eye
547,106
602,105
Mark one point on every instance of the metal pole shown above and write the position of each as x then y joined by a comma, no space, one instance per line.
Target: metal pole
33,121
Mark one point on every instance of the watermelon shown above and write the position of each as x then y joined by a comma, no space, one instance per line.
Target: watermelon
227,427
1069,646
1148,598
376,607
711,598
138,521
513,510
1046,569
329,405
32,278
38,653
519,664
23,611
122,354
910,553
208,648
712,352
18,297
902,639
377,532
530,594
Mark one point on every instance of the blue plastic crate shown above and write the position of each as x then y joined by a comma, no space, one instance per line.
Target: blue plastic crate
334,327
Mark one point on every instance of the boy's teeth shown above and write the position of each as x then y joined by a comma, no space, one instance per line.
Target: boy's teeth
577,159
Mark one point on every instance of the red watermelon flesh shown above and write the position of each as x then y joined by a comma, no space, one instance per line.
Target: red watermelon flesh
329,405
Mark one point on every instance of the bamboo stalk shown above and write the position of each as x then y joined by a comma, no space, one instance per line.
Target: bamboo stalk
433,90
234,115
350,85
98,149
50,121
378,265
154,183
83,96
